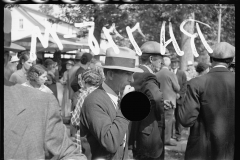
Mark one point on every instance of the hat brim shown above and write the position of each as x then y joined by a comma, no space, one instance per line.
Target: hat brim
139,70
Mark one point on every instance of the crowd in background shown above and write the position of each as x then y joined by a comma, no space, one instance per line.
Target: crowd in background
89,96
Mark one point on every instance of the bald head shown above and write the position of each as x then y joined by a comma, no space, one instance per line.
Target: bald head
166,61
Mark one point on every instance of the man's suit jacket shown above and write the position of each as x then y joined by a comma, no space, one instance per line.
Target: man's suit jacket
182,81
33,128
102,128
146,137
169,84
209,110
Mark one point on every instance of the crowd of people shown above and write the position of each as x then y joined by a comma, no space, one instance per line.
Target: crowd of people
201,98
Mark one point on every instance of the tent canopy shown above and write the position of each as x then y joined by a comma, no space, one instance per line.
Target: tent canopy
14,47
68,44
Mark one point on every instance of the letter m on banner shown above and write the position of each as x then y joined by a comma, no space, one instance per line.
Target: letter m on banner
44,39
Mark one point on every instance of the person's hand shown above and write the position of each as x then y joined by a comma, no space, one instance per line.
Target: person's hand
62,82
127,89
168,104
178,96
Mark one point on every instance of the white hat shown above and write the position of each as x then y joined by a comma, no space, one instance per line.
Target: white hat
14,59
189,63
125,60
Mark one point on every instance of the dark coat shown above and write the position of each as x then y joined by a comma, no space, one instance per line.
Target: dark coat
209,109
102,128
169,84
182,81
147,136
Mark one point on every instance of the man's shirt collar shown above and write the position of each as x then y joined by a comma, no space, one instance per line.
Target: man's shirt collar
149,69
111,94
219,66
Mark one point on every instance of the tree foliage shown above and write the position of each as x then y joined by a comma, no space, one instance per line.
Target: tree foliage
46,8
151,17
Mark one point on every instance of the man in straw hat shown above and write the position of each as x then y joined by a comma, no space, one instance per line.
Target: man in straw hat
102,125
209,109
182,81
148,143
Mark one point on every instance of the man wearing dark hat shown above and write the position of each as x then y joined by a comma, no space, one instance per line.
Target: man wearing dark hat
182,81
103,128
209,109
146,137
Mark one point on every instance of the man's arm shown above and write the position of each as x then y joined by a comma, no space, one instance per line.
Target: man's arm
184,84
189,111
109,134
57,142
176,86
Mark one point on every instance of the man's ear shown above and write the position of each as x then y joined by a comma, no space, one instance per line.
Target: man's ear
110,74
150,59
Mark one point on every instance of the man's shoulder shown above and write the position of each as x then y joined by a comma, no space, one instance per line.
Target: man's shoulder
24,92
17,72
96,95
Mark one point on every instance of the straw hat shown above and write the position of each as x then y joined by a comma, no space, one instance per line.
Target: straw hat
14,59
125,60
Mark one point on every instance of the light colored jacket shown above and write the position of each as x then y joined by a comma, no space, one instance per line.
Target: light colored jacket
33,127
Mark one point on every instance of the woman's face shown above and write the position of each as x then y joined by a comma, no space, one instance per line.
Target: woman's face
27,64
42,79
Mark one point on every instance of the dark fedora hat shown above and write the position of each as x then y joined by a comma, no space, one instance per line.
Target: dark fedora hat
125,60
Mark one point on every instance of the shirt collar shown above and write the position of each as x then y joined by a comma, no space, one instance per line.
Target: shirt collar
165,67
149,69
110,93
219,66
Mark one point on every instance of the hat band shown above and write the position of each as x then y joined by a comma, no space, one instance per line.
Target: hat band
119,61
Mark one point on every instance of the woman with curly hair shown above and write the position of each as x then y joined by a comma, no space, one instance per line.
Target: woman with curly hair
24,64
88,81
37,76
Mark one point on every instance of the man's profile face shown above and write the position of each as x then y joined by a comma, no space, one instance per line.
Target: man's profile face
121,79
156,63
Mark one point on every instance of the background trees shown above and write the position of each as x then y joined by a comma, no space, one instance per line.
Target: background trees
150,17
